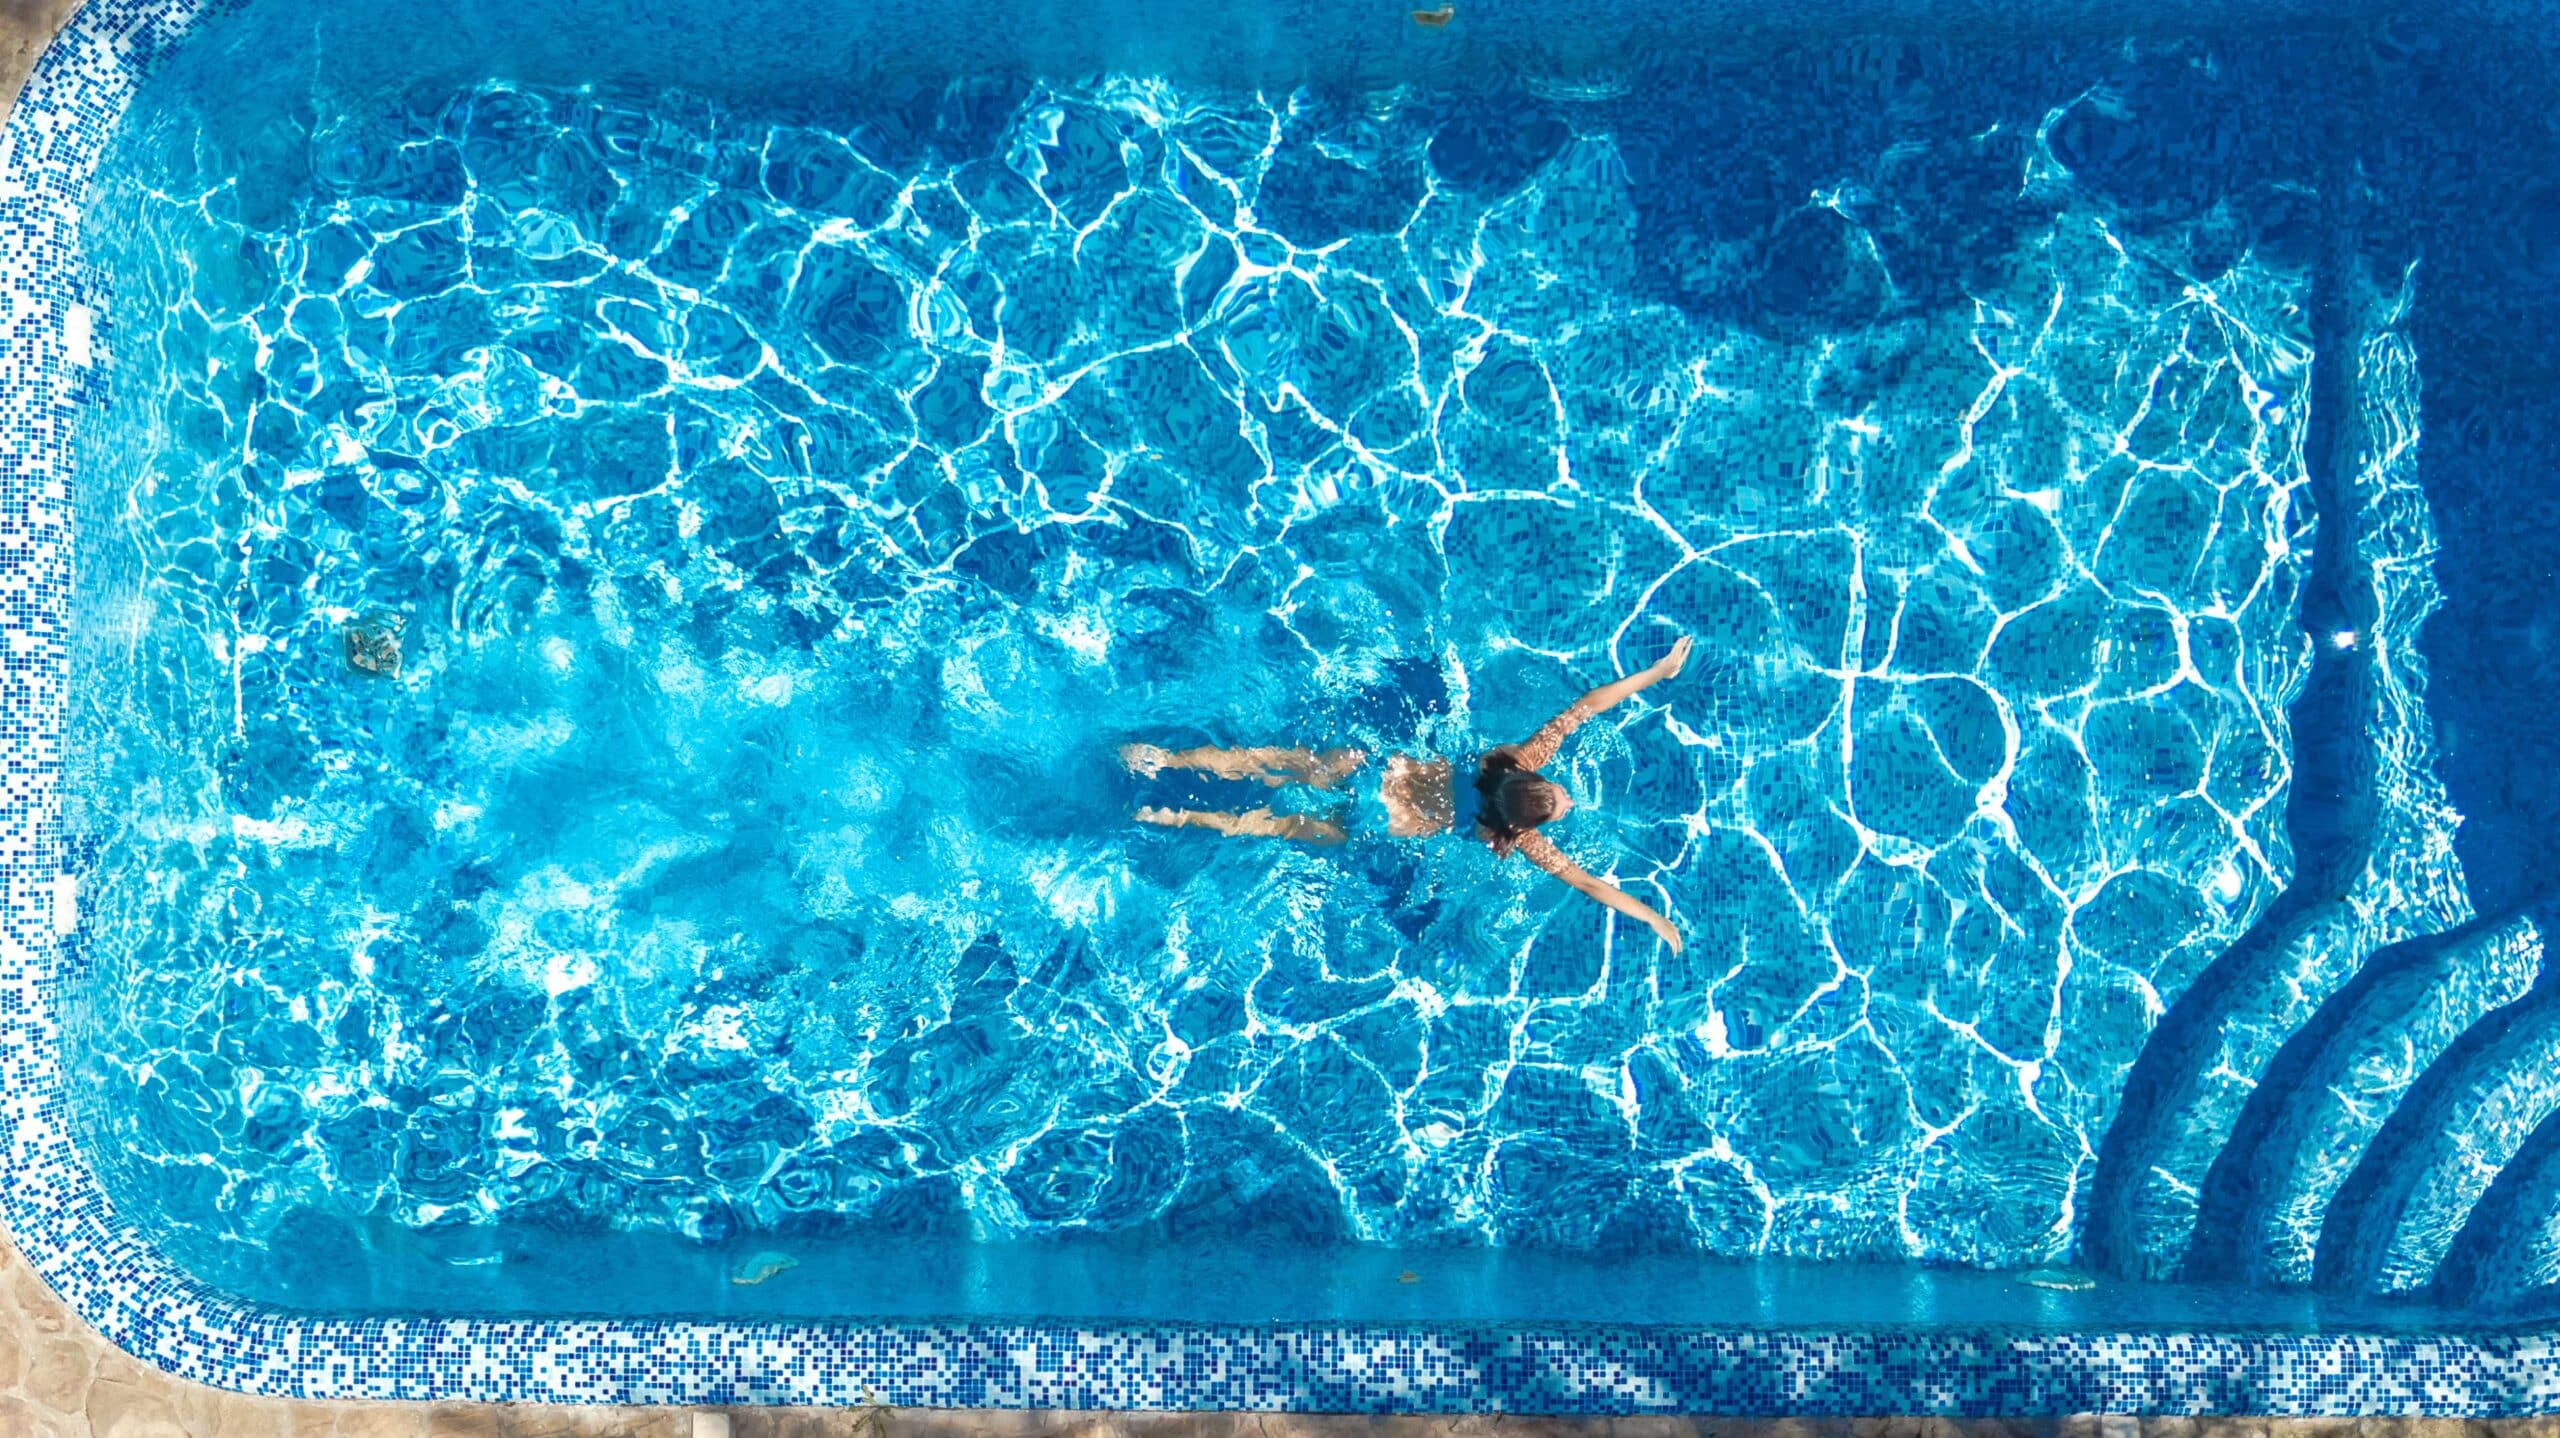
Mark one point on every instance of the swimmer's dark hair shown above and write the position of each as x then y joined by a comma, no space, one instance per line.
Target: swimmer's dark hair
1515,801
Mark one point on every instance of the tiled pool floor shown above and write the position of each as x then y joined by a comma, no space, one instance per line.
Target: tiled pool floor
58,1379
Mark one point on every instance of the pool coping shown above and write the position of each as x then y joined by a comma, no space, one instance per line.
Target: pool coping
110,1274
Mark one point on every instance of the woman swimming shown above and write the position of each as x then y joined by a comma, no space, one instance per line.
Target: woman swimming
1512,797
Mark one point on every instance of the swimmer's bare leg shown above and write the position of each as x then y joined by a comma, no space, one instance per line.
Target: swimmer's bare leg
1330,767
1256,823
1267,765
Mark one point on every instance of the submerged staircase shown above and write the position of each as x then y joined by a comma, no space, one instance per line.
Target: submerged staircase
2331,1089
2393,1130
2340,1100
2507,1256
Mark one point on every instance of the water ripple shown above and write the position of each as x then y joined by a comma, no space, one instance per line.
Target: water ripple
786,531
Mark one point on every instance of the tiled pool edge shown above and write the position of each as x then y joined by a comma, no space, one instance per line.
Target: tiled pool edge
59,1380
110,1275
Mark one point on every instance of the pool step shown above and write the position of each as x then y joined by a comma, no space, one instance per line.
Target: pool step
2507,1256
2330,1089
2424,1174
2197,1072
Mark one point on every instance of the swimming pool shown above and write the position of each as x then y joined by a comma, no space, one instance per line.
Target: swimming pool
580,607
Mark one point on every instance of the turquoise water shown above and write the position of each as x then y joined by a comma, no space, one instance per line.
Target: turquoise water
785,514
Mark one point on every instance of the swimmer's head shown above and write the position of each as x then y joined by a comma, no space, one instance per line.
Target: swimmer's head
1520,801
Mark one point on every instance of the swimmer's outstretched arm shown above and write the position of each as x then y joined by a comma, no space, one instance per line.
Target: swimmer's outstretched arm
1542,745
1543,853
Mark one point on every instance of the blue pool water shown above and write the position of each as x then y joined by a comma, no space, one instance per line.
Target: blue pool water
786,505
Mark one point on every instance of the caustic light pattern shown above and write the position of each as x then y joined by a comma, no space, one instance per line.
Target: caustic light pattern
784,524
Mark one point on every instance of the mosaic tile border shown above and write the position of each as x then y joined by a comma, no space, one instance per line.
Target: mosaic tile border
111,1274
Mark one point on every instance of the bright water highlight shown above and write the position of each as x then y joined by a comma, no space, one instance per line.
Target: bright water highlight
787,516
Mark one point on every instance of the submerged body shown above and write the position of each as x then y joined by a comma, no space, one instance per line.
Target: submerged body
1420,794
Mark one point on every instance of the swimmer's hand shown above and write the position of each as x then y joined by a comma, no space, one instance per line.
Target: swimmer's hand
1669,664
1663,930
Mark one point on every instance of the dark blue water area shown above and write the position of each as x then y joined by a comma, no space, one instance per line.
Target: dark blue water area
2459,146
795,475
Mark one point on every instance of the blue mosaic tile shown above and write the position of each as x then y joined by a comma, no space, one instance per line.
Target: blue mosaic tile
109,1270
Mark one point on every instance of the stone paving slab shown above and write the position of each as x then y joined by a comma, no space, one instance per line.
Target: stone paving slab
25,26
